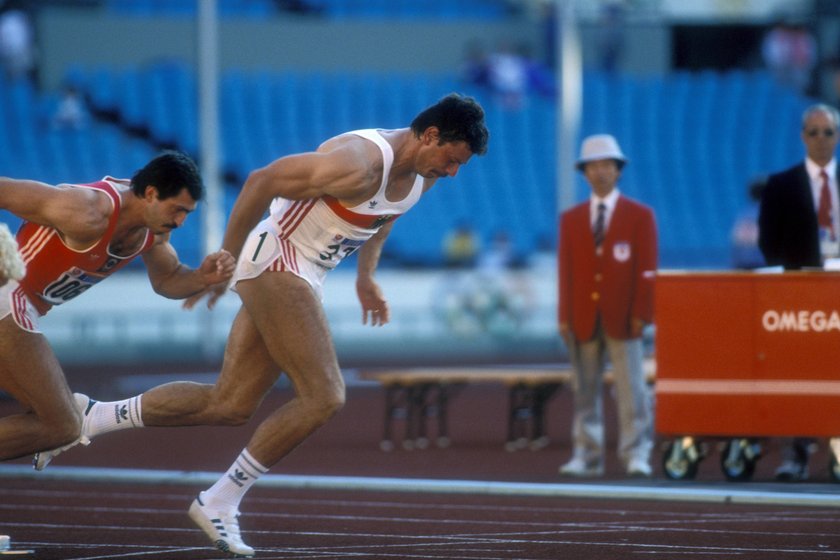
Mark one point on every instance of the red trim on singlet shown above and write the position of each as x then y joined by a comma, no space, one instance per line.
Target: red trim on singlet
290,256
294,216
287,259
19,304
36,242
366,221
277,265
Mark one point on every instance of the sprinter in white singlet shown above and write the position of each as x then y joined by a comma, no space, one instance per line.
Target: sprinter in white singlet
324,205
310,237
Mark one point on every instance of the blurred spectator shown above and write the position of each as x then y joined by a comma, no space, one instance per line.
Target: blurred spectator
509,73
798,228
544,257
790,53
745,251
608,248
548,19
17,43
493,299
461,246
834,89
71,112
475,67
611,35
301,7
473,304
499,256
541,80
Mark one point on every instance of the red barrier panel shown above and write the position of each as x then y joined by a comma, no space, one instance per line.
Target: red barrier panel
748,354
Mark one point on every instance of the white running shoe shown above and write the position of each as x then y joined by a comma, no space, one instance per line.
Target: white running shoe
83,405
579,468
221,526
639,468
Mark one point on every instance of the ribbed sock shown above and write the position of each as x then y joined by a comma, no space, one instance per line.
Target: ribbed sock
231,488
104,417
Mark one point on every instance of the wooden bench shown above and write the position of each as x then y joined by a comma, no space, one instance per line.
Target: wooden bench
421,395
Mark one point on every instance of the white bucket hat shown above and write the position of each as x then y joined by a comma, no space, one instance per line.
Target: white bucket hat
600,146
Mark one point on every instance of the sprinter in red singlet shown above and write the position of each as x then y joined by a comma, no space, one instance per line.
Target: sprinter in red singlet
74,236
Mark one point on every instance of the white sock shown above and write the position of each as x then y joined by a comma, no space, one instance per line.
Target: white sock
104,417
231,488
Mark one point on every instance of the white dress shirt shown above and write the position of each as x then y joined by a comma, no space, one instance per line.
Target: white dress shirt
609,202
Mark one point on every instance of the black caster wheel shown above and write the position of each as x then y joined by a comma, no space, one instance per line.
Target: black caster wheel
681,459
834,469
738,459
834,462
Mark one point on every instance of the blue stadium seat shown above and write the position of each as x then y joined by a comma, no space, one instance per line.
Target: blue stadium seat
695,141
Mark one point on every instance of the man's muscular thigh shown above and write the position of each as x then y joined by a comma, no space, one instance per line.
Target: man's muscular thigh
30,372
248,371
293,326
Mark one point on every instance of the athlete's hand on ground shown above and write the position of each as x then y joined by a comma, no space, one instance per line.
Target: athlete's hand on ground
213,294
374,305
217,267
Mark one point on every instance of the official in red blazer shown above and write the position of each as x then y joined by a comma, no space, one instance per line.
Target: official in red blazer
608,253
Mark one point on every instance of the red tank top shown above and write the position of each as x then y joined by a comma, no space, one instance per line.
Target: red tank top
55,273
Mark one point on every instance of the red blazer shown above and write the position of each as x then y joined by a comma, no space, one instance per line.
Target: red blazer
618,284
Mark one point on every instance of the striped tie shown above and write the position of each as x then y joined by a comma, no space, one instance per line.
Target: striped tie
598,230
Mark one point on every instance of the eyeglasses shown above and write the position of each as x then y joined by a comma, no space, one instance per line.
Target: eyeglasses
814,132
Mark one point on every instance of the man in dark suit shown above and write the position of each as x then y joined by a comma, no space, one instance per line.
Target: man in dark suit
608,252
799,227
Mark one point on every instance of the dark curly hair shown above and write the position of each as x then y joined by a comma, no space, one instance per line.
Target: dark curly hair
170,173
458,118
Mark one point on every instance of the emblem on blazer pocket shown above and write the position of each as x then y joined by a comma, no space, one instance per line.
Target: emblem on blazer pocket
621,251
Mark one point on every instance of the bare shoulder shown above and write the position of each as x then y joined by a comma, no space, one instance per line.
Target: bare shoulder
80,214
93,206
355,150
355,166
87,195
52,204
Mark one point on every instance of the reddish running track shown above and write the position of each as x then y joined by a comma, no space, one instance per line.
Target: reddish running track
72,518
95,521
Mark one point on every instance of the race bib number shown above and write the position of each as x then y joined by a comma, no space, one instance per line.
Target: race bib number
71,284
338,249
260,248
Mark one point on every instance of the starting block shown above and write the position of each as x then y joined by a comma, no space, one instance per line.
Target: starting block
6,548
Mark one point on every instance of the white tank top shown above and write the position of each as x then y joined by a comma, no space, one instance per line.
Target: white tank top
324,232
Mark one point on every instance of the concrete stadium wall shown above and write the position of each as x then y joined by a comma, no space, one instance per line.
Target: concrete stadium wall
71,36
80,36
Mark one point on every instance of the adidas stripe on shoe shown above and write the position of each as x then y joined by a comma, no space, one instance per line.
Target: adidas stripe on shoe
221,526
83,405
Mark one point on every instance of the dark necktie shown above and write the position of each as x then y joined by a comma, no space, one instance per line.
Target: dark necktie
824,211
598,230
